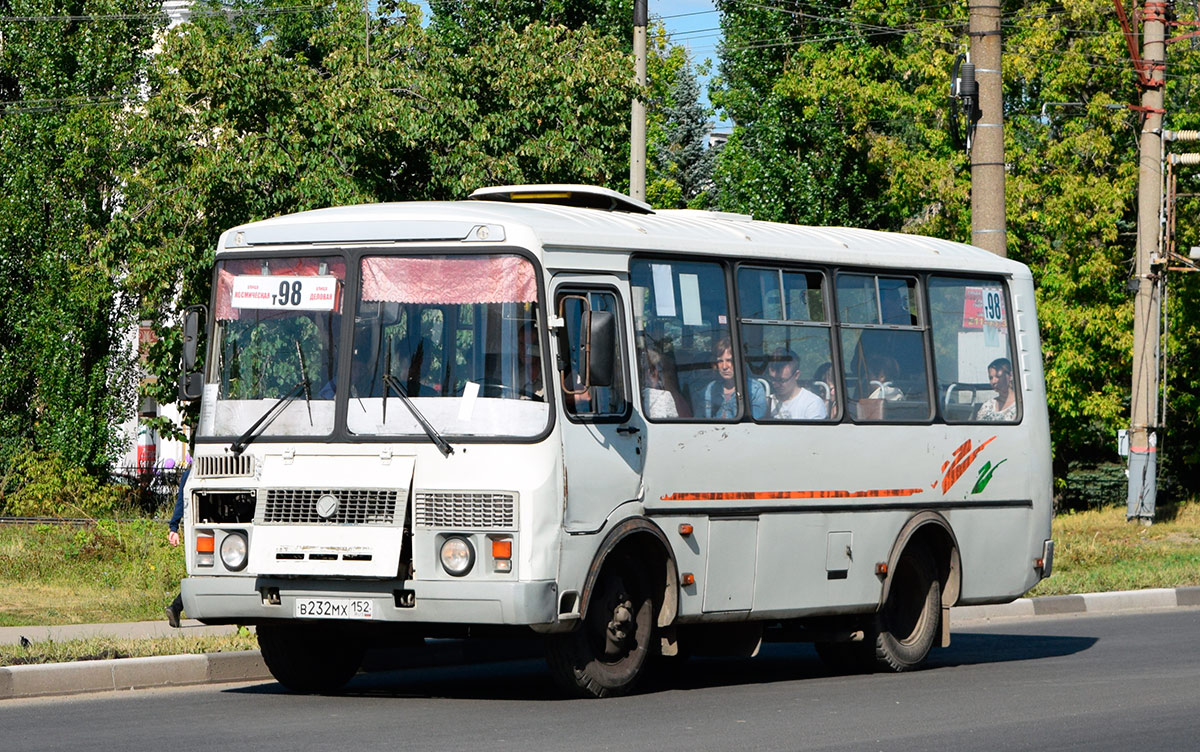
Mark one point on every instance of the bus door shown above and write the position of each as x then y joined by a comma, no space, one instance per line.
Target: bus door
601,434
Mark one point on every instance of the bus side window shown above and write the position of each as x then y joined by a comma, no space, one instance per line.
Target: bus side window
597,401
681,316
883,348
972,351
787,342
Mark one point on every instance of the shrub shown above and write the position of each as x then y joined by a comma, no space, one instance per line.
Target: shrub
44,484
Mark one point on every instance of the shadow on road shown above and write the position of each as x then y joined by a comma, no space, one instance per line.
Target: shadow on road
968,649
513,671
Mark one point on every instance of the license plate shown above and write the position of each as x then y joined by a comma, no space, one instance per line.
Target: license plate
333,608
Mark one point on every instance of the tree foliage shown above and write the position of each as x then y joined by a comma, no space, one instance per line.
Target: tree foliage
65,367
239,127
841,118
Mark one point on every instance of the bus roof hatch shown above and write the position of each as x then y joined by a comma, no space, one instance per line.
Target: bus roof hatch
561,194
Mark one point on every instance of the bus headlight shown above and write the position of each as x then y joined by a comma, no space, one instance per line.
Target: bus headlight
458,556
233,551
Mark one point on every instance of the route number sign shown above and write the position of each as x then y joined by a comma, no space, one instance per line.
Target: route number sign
281,293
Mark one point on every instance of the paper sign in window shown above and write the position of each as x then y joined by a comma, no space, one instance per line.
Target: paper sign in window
689,297
664,290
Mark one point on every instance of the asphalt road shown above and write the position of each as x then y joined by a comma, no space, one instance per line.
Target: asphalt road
1127,682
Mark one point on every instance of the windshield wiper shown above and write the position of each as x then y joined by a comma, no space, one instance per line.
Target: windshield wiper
390,382
277,409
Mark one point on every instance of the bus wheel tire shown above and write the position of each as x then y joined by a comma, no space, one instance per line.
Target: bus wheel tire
310,658
908,623
605,656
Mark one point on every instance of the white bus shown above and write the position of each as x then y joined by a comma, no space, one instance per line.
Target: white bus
554,410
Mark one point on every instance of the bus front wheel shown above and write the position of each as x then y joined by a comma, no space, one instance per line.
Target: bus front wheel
310,658
605,656
908,622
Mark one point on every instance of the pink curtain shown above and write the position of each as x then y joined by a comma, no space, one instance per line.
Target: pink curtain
449,279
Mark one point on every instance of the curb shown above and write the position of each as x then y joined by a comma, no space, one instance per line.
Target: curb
130,673
247,665
1088,603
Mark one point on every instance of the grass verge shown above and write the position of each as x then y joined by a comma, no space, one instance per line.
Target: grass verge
99,648
105,572
1098,551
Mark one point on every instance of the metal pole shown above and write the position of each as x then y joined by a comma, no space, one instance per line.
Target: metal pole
1143,441
987,148
637,128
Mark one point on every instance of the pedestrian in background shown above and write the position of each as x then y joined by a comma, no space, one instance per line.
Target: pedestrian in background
174,610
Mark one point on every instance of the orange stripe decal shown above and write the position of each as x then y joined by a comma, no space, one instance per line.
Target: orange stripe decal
873,493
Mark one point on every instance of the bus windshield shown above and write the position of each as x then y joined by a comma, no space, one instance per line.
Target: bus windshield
277,324
456,334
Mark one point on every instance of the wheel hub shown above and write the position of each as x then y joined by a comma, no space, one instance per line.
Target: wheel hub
619,632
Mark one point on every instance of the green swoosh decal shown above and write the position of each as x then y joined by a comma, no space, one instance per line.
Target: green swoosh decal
985,475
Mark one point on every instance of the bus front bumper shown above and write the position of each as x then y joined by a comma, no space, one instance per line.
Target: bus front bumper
248,600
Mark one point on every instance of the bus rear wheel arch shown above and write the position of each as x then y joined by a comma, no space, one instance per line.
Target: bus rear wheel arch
908,623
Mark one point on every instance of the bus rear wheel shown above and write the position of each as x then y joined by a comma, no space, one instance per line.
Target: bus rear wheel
908,622
606,655
310,658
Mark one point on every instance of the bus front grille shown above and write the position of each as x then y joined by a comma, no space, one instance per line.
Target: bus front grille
225,466
357,506
465,510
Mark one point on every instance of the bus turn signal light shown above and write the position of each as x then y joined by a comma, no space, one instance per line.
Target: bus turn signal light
204,544
688,579
881,568
685,529
502,554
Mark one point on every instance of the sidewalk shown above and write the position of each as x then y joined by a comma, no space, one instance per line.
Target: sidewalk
136,630
180,670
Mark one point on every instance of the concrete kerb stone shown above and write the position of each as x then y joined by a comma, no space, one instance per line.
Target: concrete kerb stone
1089,603
130,673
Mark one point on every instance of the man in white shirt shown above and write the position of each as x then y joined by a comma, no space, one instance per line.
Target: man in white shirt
790,401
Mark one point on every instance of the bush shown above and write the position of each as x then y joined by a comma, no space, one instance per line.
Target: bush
43,484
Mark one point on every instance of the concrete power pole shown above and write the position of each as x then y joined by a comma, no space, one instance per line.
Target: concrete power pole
987,148
1143,460
637,126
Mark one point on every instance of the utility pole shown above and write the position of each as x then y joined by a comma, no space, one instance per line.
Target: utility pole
1143,441
637,127
987,148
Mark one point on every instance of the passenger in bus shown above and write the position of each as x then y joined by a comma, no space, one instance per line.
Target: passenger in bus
721,396
1003,407
881,370
824,381
790,401
660,398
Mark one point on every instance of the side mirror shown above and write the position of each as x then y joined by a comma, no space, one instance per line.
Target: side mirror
191,381
602,337
191,386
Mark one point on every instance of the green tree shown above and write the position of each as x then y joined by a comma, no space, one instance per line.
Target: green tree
239,128
841,117
682,161
66,369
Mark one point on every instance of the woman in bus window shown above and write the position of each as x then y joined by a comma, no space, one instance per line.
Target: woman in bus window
721,395
660,395
1003,407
